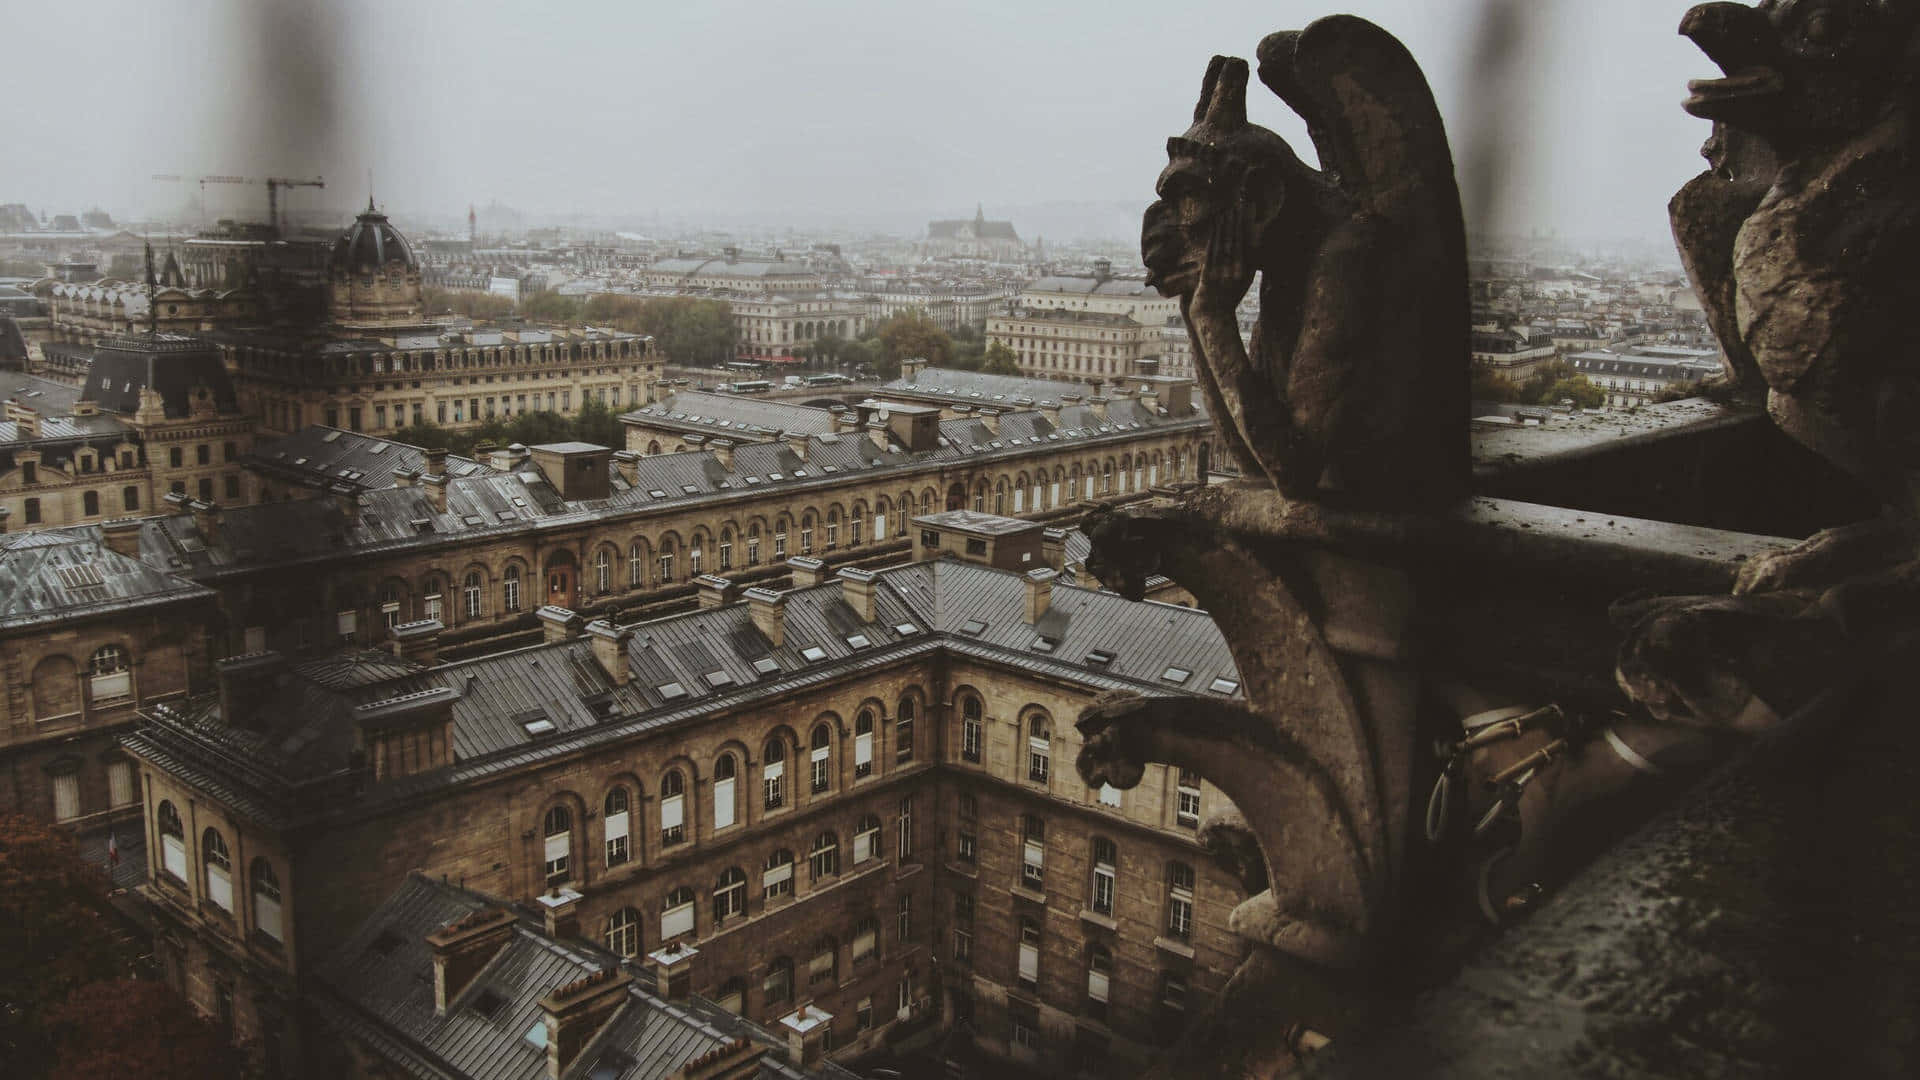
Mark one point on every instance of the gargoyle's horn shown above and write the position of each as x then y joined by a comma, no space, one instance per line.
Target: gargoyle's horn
1223,94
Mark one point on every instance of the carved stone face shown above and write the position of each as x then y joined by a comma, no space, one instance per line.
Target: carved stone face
1104,759
1798,72
1173,238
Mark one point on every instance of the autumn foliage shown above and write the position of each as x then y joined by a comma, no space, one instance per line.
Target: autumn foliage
135,1028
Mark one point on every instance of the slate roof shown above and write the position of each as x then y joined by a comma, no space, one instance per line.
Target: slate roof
378,986
1696,365
760,268
1095,287
728,414
320,456
53,577
172,364
684,669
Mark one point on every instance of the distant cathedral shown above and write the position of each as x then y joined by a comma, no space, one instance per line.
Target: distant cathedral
975,239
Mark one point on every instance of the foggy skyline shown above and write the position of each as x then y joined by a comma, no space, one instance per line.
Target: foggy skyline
854,112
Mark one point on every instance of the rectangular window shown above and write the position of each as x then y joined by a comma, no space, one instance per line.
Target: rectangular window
66,797
964,849
864,941
970,739
558,848
1103,878
1188,809
963,945
206,489
820,765
676,920
130,498
203,454
775,775
903,828
617,838
866,842
1033,861
1180,901
233,486
120,783
1030,963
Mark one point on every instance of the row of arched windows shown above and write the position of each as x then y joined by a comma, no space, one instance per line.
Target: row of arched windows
215,874
621,829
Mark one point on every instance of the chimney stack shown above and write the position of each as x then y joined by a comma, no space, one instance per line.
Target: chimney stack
797,442
845,419
806,1030
408,734
436,488
1099,404
628,462
558,623
247,684
991,418
206,518
576,1012
462,948
769,610
610,649
1050,411
910,368
404,477
1039,593
1150,399
877,432
715,591
733,1060
436,462
122,536
1053,548
673,970
418,641
5,513
807,571
722,452
856,587
560,911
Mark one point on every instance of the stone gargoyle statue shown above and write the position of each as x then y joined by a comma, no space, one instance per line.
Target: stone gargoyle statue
1803,243
1352,392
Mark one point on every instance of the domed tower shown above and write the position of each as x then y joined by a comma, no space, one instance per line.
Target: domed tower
373,277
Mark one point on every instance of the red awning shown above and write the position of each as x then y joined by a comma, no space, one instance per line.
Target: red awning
782,359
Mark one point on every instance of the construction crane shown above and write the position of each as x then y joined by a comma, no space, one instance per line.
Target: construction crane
274,184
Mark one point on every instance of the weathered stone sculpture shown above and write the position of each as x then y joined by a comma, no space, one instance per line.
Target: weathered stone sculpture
1803,242
1353,386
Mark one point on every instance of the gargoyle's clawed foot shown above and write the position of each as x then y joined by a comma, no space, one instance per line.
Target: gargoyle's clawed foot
1229,838
1853,552
1113,752
1730,663
1261,918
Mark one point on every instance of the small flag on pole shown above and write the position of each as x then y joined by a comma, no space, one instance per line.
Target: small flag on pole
113,847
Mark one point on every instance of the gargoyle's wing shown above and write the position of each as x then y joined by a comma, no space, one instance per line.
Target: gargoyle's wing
1370,113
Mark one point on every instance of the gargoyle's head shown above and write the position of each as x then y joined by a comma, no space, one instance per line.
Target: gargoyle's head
1120,559
1800,73
1113,750
1221,160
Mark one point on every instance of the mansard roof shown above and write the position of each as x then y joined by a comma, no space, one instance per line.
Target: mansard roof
55,577
296,764
378,987
321,456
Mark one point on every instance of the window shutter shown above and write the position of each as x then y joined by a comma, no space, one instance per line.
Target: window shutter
349,621
676,921
173,856
266,916
557,845
1109,795
820,753
722,803
1038,744
66,797
776,770
672,812
1030,963
114,684
863,749
879,526
1097,985
616,828
256,639
120,783
863,942
220,888
1036,853
778,875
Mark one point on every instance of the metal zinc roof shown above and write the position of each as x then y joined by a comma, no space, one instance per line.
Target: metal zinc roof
327,455
681,410
62,575
379,985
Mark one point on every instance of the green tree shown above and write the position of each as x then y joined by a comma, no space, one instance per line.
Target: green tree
688,330
484,307
1000,360
57,933
1575,389
912,334
1490,385
549,306
599,424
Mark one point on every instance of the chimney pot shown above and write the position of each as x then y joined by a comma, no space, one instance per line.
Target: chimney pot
559,624
610,650
462,948
560,910
807,571
715,591
417,641
122,536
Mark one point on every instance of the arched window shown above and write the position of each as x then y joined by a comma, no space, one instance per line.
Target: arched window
510,587
1179,900
823,961
1099,971
108,675
903,731
753,545
1105,861
970,728
695,553
726,550
780,539
866,839
730,895
1039,748
856,525
636,565
618,821
602,571
666,561
863,744
219,865
778,984
266,899
879,520
472,594
1106,478
723,792
558,831
173,843
776,878
823,861
676,914
806,534
673,809
833,527
774,773
820,758
623,932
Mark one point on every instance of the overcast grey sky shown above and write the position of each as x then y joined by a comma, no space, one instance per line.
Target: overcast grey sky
854,110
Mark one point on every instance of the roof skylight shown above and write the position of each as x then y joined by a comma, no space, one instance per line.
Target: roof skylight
859,641
718,679
766,665
905,629
539,727
1176,675
672,691
1223,686
813,653
973,627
